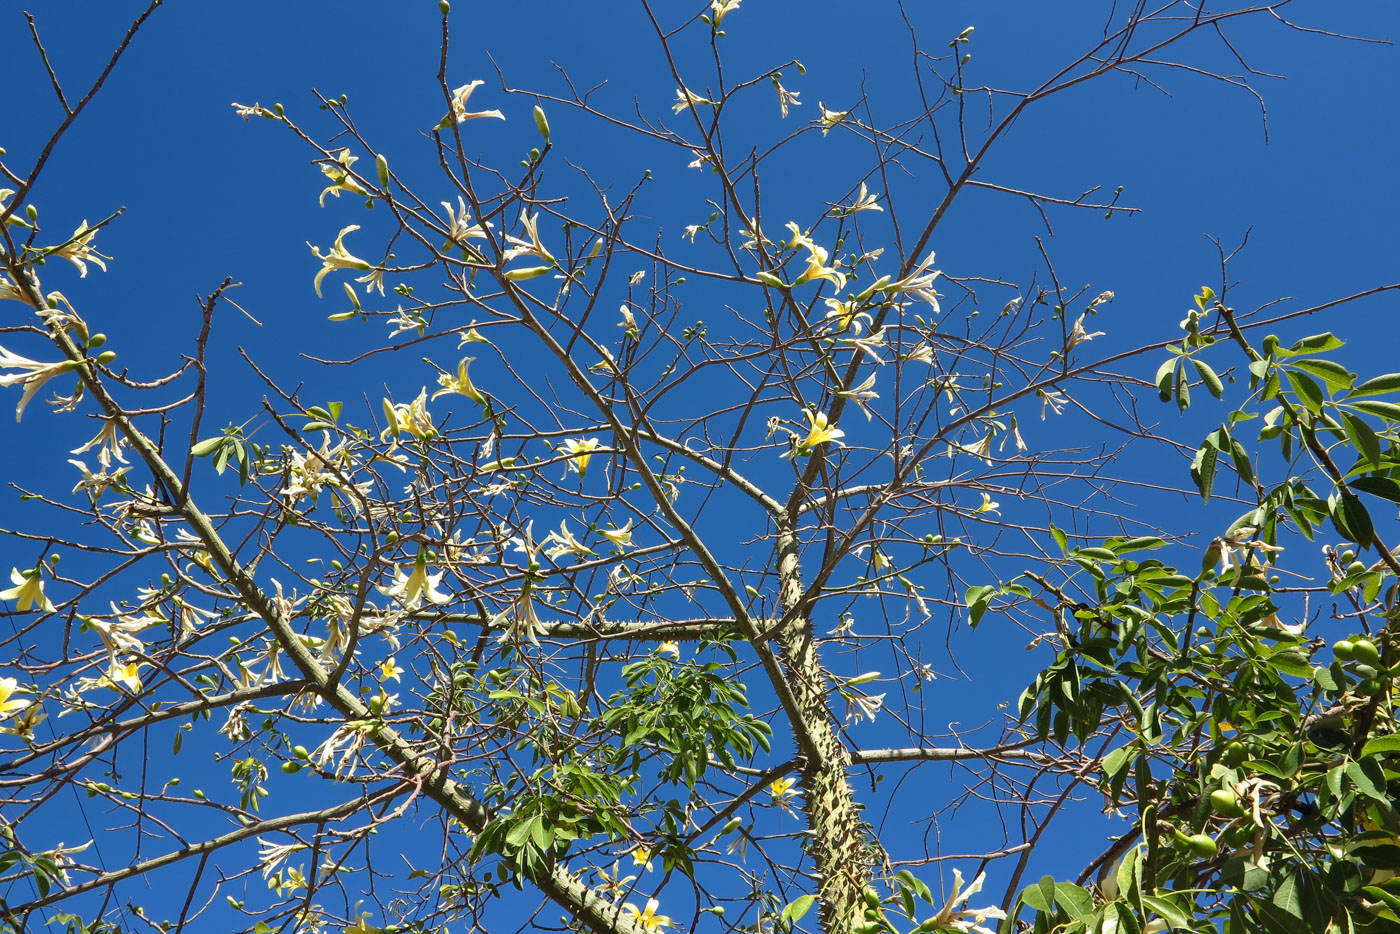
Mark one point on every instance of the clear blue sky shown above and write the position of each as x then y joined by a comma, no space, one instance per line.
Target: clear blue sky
208,195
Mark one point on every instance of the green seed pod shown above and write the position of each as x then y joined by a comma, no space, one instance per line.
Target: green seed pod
1225,803
1345,650
1202,845
1235,754
1365,651
872,897
291,768
301,752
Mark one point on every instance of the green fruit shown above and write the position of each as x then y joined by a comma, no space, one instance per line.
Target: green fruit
1345,650
1356,567
1235,754
1201,845
291,768
872,897
1225,803
1347,557
1368,688
1365,651
1239,834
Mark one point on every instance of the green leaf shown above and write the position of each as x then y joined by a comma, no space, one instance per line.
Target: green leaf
1163,379
798,907
1059,536
1076,902
1362,437
1379,745
1377,385
1306,388
1384,487
1138,544
1212,382
1291,662
1182,388
1330,372
1317,343
1203,468
1377,407
1350,518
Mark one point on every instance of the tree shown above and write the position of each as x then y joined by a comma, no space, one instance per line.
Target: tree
585,602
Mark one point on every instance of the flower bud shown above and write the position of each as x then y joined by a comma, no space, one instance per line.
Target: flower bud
541,123
106,357
444,7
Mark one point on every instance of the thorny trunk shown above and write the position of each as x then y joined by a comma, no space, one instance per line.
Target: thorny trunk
837,844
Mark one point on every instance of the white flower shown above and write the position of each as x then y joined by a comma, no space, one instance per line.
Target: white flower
28,591
830,118
968,920
523,624
862,394
919,283
620,538
31,374
581,450
647,918
339,174
459,224
987,506
79,250
338,258
531,247
108,442
864,202
565,544
1078,335
410,589
685,99
718,8
459,112
9,707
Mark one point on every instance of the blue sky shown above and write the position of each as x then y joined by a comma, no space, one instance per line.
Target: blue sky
207,195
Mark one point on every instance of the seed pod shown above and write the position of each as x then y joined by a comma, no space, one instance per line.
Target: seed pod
1225,803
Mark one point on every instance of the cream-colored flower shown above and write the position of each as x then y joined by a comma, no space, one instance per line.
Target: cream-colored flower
1079,335
108,443
565,544
9,705
339,174
338,258
782,789
459,113
581,451
786,98
461,384
28,591
820,432
817,259
648,918
410,589
460,228
829,118
861,395
919,283
521,623
620,538
31,374
865,201
79,250
987,506
409,418
849,314
718,9
953,917
672,649
389,670
687,99
533,246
